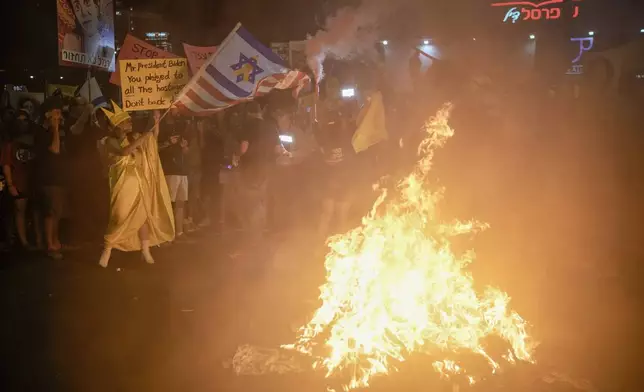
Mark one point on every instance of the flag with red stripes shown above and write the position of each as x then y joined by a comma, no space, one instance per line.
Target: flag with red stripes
241,69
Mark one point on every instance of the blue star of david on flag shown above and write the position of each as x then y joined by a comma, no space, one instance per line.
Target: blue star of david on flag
246,69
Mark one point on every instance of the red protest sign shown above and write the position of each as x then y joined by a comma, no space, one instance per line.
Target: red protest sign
136,49
198,55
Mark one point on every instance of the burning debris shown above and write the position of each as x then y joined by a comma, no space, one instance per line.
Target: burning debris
395,287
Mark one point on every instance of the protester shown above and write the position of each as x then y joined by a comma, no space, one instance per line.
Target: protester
17,161
6,200
334,136
86,208
217,162
28,106
140,206
289,188
259,147
173,148
50,173
194,162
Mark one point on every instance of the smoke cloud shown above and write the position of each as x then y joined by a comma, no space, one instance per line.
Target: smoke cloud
349,32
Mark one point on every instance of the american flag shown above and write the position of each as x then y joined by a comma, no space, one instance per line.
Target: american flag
242,69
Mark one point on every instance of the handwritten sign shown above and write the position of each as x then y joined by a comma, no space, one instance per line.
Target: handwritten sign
198,55
152,84
134,48
537,10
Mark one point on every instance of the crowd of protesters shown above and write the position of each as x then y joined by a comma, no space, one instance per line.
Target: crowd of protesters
252,169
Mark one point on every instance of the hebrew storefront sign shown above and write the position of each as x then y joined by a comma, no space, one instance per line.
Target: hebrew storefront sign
517,11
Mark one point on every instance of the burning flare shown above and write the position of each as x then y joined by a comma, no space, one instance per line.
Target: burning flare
395,287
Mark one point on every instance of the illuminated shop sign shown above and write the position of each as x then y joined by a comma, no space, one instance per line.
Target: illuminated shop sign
585,44
157,36
528,10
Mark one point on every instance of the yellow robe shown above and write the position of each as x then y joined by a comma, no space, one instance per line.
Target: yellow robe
138,194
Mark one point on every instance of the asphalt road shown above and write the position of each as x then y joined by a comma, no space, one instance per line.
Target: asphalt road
72,326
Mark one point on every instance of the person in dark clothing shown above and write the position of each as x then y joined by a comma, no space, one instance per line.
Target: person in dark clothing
193,159
173,150
221,145
259,147
335,132
86,208
17,161
50,173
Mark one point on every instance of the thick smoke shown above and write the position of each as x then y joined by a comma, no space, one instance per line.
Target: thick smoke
349,32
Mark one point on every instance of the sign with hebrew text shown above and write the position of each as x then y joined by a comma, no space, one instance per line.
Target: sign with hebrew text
519,11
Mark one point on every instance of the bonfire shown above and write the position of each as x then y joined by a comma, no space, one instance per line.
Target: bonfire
395,287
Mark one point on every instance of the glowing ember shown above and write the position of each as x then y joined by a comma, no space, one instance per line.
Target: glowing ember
394,287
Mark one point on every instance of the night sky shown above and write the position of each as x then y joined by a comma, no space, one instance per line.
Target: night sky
31,31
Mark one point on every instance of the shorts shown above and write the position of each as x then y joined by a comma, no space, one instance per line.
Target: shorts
178,187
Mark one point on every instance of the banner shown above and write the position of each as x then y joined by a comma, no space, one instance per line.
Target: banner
86,33
293,53
152,84
65,89
198,55
134,48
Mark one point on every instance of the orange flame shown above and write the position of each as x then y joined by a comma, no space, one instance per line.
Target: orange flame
394,286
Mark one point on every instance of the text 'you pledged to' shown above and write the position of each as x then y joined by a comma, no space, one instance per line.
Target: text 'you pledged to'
150,84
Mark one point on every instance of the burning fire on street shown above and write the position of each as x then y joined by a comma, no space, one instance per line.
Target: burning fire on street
396,287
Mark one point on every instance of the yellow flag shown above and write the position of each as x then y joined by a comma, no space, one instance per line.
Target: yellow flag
371,124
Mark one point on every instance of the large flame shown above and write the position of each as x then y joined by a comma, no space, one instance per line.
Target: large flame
395,286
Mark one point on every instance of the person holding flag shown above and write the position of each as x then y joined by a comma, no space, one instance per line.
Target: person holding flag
140,207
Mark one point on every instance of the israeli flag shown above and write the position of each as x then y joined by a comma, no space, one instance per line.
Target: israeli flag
92,93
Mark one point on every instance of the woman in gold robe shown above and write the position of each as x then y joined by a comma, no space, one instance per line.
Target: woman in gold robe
140,207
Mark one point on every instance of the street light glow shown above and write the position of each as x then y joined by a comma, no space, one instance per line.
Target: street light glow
426,42
532,36
385,42
591,33
348,92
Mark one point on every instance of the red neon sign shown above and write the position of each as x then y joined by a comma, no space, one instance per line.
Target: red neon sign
528,10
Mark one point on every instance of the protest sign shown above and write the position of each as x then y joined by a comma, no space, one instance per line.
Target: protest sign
198,55
292,52
134,48
152,84
86,34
